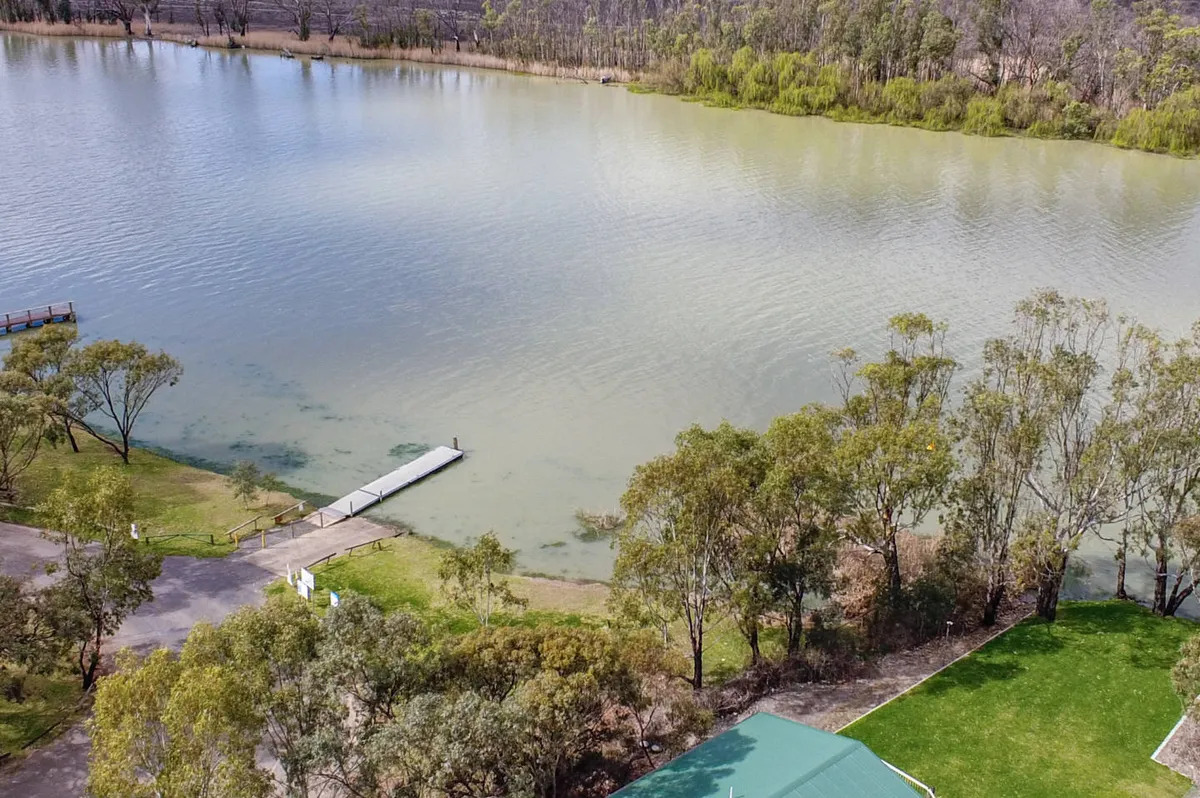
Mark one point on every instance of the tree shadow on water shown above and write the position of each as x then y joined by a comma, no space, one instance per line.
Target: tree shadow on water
705,770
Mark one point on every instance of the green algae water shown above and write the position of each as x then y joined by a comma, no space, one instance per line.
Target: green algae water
358,260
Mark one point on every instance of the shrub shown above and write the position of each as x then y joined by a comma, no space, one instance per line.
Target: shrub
985,117
743,61
705,74
1174,126
945,102
795,70
902,98
758,86
1079,121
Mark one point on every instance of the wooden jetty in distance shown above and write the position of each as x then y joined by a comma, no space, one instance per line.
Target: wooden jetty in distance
36,317
374,492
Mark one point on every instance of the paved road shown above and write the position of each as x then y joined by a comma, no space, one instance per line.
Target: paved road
24,553
189,590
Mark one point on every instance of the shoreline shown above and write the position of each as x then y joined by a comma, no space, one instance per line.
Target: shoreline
274,41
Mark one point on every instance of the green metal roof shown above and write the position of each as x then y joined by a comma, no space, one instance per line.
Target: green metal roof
766,756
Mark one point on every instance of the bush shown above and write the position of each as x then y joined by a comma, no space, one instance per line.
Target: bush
902,99
945,102
705,74
758,86
795,70
1174,126
985,117
1079,121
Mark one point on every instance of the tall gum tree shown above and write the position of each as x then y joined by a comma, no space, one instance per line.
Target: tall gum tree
1160,455
997,439
1076,421
895,446
679,536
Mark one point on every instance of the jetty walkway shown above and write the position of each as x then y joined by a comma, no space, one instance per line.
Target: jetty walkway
374,492
36,317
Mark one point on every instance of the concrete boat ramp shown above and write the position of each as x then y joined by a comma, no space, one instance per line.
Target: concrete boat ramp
374,492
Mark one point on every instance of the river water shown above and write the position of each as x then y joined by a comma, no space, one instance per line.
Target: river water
354,260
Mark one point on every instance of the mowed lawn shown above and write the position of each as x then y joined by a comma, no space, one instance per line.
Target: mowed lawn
1073,708
177,506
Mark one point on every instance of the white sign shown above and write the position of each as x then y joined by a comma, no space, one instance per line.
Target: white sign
133,531
291,577
303,590
334,599
306,576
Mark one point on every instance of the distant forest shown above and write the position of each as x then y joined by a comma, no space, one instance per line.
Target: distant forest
1065,68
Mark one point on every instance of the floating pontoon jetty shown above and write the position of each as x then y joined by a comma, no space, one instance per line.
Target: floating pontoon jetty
375,492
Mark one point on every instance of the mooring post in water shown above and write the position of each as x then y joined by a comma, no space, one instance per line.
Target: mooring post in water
455,442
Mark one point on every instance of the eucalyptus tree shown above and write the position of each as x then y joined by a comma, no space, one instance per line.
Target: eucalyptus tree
674,552
1076,423
1161,456
895,446
104,574
472,578
23,417
998,437
118,380
793,515
44,357
163,729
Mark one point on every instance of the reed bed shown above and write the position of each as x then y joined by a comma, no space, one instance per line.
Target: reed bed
339,47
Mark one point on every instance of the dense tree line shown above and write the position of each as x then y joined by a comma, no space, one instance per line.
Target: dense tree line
1078,69
358,703
1078,425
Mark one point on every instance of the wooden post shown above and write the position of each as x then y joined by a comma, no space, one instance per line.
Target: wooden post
455,441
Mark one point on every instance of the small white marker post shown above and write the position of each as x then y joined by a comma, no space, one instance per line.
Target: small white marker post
133,531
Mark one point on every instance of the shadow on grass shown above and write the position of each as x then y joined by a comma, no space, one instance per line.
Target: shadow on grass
973,674
700,771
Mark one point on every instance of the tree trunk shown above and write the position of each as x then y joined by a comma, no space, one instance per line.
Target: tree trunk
752,640
1121,594
991,606
146,17
1049,585
891,554
70,435
795,627
1161,557
128,23
698,661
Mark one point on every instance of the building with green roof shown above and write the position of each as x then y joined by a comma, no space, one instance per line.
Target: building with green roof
766,756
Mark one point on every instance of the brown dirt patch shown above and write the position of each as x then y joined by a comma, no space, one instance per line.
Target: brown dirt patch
832,706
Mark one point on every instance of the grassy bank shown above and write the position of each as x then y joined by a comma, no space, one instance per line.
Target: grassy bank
46,701
403,576
1073,708
178,506
340,47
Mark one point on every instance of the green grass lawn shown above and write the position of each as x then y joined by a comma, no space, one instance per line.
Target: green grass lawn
1073,708
47,700
171,497
404,576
